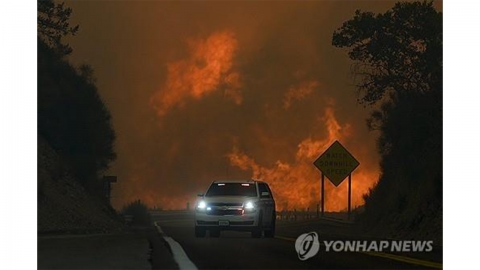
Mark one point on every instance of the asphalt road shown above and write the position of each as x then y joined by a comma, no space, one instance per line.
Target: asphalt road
238,250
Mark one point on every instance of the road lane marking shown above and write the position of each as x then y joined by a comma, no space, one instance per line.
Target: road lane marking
159,229
386,255
179,255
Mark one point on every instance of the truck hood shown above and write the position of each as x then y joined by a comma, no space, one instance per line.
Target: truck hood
229,199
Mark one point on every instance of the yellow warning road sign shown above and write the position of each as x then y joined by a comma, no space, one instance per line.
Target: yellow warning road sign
336,163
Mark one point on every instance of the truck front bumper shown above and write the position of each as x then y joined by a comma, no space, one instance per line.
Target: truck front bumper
247,221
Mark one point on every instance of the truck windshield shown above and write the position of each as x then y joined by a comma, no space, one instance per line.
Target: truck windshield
232,189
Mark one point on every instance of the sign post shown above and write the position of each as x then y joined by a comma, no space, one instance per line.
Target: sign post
336,163
349,194
107,183
323,194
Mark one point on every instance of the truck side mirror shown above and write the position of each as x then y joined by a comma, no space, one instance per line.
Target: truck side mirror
200,195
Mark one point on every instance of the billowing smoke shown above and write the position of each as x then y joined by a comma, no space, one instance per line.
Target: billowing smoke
299,92
208,90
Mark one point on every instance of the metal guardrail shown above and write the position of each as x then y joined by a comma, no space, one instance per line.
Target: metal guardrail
294,215
297,215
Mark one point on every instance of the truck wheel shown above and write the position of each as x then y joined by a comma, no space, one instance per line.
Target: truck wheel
214,233
257,232
200,232
270,232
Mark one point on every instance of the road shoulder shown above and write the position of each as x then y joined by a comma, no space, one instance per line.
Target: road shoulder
126,250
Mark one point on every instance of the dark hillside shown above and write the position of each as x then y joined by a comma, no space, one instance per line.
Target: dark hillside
63,204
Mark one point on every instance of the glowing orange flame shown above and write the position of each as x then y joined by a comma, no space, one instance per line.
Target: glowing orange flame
208,67
297,185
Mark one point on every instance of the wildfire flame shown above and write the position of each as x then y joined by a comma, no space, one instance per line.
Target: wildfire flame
207,69
297,185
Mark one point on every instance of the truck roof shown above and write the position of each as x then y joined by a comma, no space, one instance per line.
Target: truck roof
238,181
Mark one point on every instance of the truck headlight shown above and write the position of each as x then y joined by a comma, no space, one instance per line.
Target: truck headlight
201,205
249,206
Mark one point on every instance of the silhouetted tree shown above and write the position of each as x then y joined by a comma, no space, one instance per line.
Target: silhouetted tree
71,115
398,59
399,51
53,24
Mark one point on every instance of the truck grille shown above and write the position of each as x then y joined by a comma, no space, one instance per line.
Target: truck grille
225,204
225,212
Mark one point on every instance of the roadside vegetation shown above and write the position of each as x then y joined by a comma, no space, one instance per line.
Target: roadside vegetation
398,69
138,212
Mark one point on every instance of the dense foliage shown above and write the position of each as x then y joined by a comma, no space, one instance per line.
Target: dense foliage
398,63
138,212
72,118
53,24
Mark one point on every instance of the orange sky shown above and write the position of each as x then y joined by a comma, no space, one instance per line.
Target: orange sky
201,91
